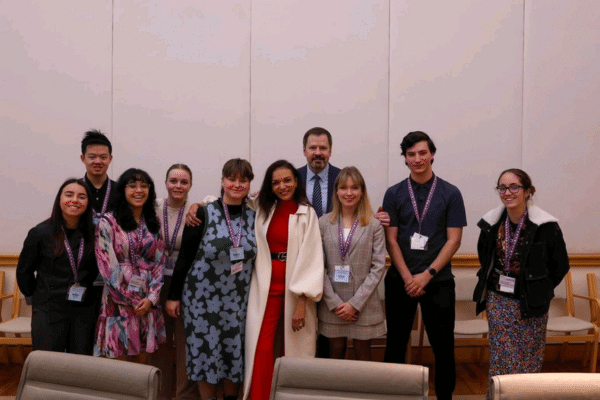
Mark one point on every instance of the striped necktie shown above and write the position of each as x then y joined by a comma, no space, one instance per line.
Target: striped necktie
317,199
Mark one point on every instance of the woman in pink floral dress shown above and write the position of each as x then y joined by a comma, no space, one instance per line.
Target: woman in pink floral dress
129,250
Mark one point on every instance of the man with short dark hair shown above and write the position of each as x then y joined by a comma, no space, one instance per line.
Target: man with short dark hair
427,215
318,176
96,155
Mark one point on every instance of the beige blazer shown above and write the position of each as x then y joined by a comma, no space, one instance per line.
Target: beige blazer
303,276
366,258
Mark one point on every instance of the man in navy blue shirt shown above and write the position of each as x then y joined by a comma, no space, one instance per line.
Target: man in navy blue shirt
427,215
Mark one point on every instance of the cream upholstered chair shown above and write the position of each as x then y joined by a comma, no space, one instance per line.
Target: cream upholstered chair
473,331
60,376
546,386
16,325
317,378
572,329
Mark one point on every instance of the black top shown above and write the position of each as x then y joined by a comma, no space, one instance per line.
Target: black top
190,242
46,276
447,210
97,199
543,263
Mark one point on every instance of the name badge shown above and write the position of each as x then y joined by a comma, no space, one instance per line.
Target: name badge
236,253
342,274
76,293
169,266
506,284
418,242
237,267
136,283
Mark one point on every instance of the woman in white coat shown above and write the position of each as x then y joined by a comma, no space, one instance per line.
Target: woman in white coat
287,278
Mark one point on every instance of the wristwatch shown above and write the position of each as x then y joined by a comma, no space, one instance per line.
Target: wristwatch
432,271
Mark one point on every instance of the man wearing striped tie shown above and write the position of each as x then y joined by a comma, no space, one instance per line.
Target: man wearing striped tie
318,175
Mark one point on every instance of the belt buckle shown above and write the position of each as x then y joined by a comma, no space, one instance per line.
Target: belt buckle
282,257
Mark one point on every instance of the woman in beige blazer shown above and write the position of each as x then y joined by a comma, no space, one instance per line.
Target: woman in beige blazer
287,280
354,247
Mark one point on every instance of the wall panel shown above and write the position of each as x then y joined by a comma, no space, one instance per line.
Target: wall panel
54,85
181,91
456,73
325,68
561,123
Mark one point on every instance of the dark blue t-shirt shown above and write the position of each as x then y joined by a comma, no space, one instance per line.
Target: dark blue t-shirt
447,210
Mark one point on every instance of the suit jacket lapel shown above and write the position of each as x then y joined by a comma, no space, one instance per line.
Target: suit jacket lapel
360,230
330,184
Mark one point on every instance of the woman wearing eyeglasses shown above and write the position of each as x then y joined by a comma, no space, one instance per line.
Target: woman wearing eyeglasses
523,258
131,259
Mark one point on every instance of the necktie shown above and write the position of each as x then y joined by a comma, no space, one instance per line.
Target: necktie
317,199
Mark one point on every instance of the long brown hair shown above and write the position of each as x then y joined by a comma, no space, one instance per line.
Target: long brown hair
363,208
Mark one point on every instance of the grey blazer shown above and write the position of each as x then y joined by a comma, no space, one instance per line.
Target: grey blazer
366,258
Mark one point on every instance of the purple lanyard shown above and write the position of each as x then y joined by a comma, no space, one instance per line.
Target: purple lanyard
104,203
70,254
236,238
420,218
344,246
511,243
135,250
170,244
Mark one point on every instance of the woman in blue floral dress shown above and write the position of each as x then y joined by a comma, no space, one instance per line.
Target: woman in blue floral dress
210,285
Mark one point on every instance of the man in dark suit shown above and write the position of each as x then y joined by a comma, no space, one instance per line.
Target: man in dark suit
318,176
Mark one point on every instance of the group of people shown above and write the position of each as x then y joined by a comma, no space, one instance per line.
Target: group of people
223,287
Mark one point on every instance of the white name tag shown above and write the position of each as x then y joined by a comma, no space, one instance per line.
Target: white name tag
342,274
76,293
136,283
237,267
418,242
507,284
169,266
236,253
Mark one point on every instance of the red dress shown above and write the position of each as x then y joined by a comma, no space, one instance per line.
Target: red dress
277,238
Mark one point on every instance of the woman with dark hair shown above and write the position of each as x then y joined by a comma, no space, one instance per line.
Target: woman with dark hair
354,247
57,267
287,281
523,258
129,249
210,285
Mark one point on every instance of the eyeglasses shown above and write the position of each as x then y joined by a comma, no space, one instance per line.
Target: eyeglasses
134,186
514,188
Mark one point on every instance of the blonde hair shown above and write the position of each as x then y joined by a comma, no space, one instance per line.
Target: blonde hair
363,208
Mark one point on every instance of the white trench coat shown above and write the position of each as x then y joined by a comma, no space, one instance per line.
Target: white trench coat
303,276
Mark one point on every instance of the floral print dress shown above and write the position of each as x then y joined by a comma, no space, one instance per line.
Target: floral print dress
516,344
119,331
215,298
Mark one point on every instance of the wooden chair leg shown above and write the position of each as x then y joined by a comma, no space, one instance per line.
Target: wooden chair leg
594,357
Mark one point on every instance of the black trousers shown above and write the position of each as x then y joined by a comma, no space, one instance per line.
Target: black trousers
61,325
438,311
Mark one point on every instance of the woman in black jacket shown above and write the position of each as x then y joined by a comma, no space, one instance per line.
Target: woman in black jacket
57,267
523,258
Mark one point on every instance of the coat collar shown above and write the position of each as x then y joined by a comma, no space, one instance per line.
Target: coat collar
535,215
302,209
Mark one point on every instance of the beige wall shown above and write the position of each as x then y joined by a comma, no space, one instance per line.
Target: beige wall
497,84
